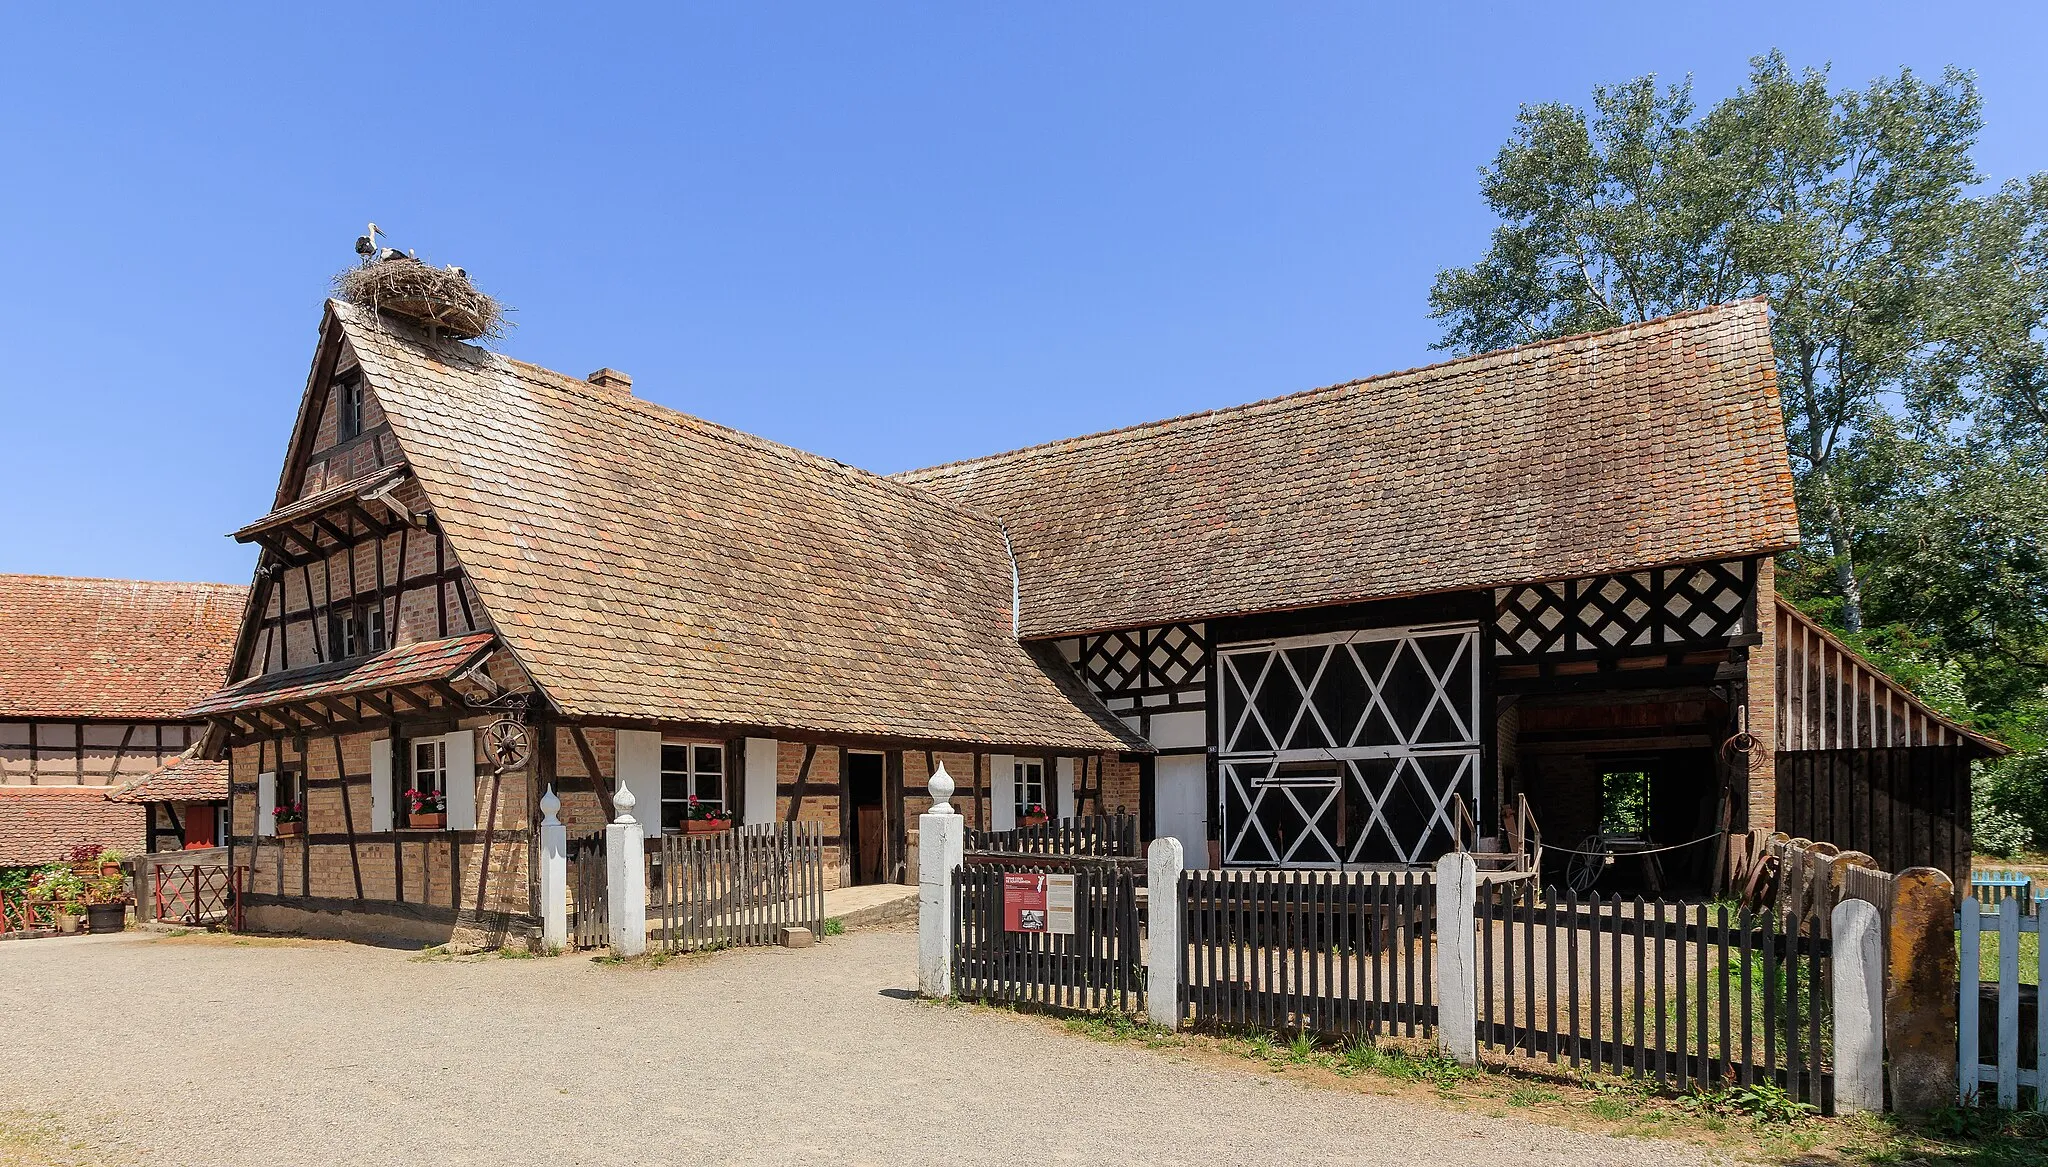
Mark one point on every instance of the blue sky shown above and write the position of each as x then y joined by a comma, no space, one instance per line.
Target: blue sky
897,235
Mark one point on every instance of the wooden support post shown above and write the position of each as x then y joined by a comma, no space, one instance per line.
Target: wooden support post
1859,1007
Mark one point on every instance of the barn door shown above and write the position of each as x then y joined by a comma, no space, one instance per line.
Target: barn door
1348,747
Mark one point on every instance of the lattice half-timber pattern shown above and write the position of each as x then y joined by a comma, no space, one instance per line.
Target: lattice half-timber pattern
1348,747
1144,669
1701,605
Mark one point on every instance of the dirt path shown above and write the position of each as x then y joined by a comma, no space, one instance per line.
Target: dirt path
197,1051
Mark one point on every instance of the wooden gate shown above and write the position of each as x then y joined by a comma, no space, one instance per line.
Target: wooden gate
1687,994
1331,953
1904,807
589,925
736,887
1100,967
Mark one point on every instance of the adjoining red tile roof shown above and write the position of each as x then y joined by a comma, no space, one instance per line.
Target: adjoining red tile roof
185,778
40,824
645,564
408,664
112,648
1649,444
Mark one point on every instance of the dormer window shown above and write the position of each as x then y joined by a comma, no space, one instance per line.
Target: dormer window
348,408
356,632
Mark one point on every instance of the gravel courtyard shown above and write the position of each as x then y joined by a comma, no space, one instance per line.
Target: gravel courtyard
200,1051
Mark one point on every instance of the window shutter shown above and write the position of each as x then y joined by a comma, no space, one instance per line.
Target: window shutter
461,747
380,785
639,753
266,804
758,800
1002,792
1065,769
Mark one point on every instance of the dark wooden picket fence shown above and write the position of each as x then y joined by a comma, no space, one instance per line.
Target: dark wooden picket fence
1099,968
1687,994
1325,952
1101,836
589,925
736,887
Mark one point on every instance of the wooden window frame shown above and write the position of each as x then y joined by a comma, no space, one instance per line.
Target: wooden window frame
348,407
1018,766
691,773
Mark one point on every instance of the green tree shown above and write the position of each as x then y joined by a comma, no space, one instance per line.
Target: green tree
1841,207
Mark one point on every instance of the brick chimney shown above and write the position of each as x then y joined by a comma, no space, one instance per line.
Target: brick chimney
611,379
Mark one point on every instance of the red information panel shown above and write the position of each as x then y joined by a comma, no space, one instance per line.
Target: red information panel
1023,902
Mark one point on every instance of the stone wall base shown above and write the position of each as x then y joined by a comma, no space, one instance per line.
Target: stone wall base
383,922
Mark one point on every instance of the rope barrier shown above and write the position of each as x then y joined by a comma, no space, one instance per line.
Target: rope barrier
1632,854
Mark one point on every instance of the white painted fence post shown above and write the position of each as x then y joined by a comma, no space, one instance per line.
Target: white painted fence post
1164,864
625,854
1859,1007
1457,965
941,841
554,875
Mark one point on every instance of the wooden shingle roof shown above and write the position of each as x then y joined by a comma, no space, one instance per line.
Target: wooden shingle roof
185,778
643,564
1649,444
112,648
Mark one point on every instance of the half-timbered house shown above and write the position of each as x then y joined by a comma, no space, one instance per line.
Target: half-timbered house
95,676
1358,625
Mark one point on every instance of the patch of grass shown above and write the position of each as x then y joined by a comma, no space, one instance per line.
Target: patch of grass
1120,1027
1302,1049
38,1140
1532,1095
1765,1102
2030,957
835,927
516,954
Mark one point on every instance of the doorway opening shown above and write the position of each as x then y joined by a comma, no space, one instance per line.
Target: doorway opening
868,842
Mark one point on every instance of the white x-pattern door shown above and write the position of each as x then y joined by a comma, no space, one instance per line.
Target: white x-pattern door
1348,747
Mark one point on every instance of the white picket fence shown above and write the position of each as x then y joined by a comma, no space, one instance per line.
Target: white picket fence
2008,921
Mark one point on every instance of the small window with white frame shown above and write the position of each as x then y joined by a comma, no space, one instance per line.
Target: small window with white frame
426,785
692,784
357,631
1030,791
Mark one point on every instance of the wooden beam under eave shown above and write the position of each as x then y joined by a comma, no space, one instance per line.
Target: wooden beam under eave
342,538
362,515
381,707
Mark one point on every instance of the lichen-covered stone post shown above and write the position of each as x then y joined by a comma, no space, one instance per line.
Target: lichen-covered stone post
1859,1007
1921,1001
1457,893
1164,864
554,874
941,842
625,853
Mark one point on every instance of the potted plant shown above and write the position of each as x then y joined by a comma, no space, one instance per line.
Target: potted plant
69,918
110,861
426,810
106,903
1034,815
290,819
85,860
703,819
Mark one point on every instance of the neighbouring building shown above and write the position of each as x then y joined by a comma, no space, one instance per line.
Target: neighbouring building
1354,626
95,676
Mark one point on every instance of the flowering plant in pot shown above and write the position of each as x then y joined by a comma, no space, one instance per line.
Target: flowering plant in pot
290,819
85,859
1034,815
426,810
106,902
701,818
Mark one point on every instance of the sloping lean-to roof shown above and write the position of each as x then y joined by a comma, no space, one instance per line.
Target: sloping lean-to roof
645,564
185,778
1831,698
1649,444
112,648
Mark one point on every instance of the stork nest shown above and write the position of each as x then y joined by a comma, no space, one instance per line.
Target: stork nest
441,300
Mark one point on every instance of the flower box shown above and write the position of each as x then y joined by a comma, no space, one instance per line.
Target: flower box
706,826
289,830
1033,820
436,821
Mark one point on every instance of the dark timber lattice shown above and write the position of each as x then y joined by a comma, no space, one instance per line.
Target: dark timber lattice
1154,668
1703,605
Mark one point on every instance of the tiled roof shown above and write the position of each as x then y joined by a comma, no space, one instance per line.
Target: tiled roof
642,563
319,501
40,824
1653,443
408,664
185,778
112,648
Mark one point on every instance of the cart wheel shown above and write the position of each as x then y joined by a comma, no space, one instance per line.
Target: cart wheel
1584,870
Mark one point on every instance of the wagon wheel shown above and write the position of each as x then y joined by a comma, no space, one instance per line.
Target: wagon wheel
1586,866
505,742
